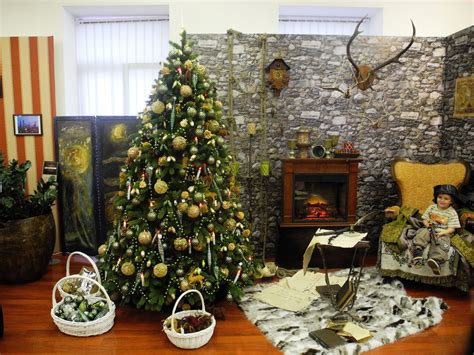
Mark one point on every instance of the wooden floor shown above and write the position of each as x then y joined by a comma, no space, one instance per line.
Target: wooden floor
30,329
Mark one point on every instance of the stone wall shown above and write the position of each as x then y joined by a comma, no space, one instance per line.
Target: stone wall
458,134
402,116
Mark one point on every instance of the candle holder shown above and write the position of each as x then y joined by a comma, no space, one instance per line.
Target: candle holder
251,128
292,147
303,142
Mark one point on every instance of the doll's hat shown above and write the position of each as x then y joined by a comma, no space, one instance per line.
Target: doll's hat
447,190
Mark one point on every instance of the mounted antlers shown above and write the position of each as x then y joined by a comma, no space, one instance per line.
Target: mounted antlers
364,75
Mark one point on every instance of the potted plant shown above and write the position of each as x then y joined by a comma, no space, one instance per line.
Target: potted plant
27,229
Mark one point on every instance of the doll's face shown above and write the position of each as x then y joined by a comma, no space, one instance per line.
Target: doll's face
444,201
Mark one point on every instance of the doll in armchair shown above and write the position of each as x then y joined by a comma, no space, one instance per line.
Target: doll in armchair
440,221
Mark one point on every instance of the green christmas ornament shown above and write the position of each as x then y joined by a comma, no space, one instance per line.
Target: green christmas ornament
129,233
199,197
151,216
202,115
213,126
191,111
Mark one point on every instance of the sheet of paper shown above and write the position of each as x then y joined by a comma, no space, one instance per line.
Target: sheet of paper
355,331
308,281
285,298
348,239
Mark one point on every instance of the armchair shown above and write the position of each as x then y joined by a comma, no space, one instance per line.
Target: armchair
415,182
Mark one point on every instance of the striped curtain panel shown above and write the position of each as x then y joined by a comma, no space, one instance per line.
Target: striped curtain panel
310,25
118,62
27,78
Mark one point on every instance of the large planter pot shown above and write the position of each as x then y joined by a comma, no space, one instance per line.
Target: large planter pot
26,246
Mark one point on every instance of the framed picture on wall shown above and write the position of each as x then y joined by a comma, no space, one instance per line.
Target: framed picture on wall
28,124
464,97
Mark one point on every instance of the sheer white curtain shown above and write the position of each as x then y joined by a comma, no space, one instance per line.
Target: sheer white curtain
314,25
118,61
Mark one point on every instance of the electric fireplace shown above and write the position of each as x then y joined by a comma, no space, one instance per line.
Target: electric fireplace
317,193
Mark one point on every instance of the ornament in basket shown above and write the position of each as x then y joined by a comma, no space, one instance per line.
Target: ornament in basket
79,286
176,325
83,316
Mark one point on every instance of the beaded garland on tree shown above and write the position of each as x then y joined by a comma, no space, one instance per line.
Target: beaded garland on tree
181,223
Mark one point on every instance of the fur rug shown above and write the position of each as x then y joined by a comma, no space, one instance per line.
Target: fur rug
384,308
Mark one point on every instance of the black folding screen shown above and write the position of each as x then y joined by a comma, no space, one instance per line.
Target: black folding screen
90,152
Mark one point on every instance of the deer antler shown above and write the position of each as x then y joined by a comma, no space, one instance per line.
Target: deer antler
348,47
396,59
364,75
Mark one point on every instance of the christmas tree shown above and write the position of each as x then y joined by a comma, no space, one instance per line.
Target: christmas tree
180,223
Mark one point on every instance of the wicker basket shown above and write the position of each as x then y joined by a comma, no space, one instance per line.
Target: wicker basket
190,340
84,329
68,264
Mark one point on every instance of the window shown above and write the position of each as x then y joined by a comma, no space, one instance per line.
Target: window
118,60
318,20
320,25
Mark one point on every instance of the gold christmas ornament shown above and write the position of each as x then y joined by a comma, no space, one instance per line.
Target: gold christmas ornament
231,246
127,268
162,161
142,184
213,126
102,249
199,246
226,205
144,238
182,207
133,152
193,211
184,285
246,233
180,244
203,208
218,105
122,177
201,69
184,194
230,224
158,107
179,143
224,271
207,134
240,215
165,71
161,187
188,64
160,270
185,91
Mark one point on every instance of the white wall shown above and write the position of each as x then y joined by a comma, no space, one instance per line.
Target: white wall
53,17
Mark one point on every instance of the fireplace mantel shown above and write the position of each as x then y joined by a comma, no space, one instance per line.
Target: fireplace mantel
345,167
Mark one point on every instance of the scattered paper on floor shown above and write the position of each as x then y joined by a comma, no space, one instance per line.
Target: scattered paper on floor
295,293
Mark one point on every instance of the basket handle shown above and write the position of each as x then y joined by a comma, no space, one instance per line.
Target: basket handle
177,302
94,266
109,302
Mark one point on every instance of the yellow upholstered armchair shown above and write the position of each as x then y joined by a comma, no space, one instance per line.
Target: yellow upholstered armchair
415,182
